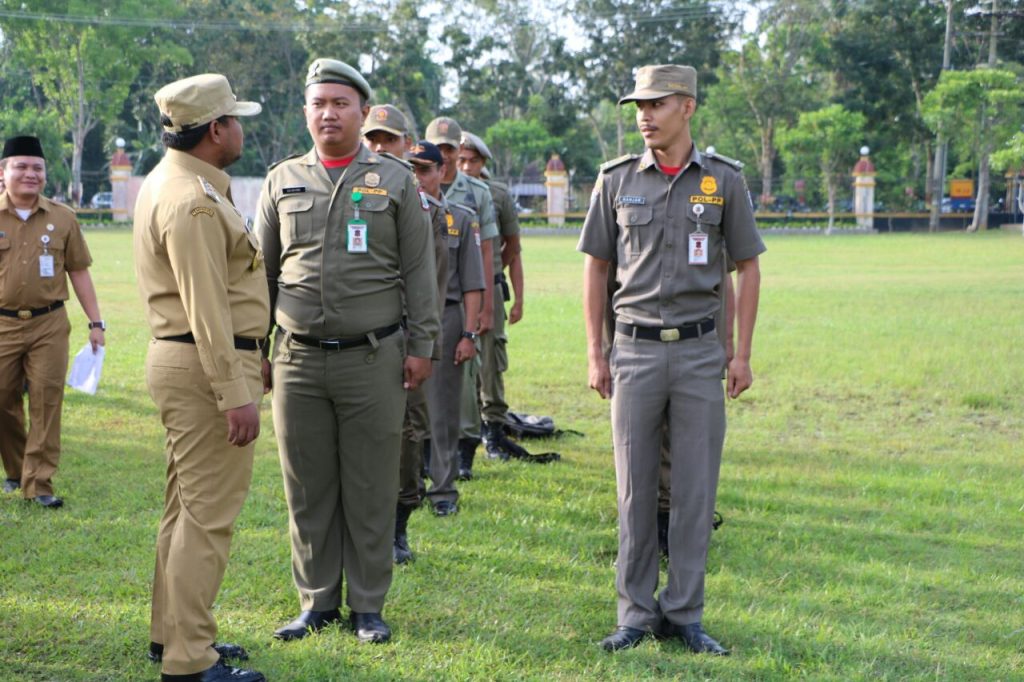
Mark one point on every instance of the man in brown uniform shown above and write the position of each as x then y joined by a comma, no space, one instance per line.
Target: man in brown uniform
40,243
386,130
202,280
666,219
345,232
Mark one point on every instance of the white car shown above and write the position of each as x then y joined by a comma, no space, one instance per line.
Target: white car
102,200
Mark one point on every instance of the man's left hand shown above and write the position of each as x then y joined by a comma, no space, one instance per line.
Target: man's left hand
416,370
96,339
739,377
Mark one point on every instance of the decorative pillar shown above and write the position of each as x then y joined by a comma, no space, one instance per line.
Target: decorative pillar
557,183
120,173
864,191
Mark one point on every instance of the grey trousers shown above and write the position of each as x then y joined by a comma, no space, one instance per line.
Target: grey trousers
680,382
444,390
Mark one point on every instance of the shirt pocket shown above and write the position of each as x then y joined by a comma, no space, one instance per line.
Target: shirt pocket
710,219
297,217
635,223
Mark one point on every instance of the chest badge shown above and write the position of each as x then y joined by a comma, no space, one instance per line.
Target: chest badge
708,184
50,228
372,179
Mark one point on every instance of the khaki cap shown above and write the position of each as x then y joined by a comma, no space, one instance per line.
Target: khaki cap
387,118
655,81
196,100
472,141
332,71
444,130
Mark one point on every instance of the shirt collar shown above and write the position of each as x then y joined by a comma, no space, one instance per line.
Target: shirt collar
648,160
220,180
43,204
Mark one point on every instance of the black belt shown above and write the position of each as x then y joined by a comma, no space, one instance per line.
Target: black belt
29,313
690,330
241,342
351,342
449,302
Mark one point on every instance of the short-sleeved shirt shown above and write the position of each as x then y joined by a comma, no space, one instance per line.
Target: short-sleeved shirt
475,194
505,212
22,285
322,288
439,221
200,269
641,220
465,266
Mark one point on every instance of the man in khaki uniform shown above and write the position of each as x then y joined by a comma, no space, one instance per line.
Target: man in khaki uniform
492,407
461,308
666,219
459,188
40,243
202,280
386,130
344,231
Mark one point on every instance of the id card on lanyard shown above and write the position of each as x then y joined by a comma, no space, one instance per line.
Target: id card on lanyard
698,251
46,260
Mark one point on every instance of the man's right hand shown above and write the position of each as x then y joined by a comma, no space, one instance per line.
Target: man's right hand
601,376
243,424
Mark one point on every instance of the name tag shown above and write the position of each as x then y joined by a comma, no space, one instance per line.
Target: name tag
357,236
702,199
46,266
377,191
293,190
698,248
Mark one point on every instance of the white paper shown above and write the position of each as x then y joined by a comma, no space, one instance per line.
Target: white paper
86,369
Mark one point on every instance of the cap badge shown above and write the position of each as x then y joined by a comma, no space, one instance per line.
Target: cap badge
708,184
442,127
372,179
381,114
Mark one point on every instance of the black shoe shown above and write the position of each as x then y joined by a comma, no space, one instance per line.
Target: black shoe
307,622
663,533
696,640
446,508
624,637
401,552
11,484
48,501
467,451
226,651
370,627
218,672
495,442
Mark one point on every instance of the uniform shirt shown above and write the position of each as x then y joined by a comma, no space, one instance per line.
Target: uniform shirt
21,245
640,219
200,269
465,266
475,194
507,218
317,286
439,220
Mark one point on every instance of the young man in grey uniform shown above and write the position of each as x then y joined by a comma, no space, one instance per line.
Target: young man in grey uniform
666,219
343,228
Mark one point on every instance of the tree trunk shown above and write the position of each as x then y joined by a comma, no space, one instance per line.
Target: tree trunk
605,152
767,160
831,203
980,221
620,134
78,134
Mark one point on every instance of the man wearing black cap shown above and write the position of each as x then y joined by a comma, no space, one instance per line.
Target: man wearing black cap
666,220
345,232
40,243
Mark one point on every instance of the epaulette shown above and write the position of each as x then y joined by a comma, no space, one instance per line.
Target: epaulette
477,181
738,165
468,209
608,165
395,158
280,161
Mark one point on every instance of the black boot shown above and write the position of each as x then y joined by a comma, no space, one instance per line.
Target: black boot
401,552
494,441
663,533
467,450
426,458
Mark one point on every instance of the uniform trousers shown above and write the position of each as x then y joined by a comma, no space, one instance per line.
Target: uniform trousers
493,365
680,381
35,350
207,482
338,417
415,430
444,391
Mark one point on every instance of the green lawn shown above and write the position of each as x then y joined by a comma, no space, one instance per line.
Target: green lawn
872,491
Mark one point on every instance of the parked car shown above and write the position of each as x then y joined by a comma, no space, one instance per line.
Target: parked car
102,200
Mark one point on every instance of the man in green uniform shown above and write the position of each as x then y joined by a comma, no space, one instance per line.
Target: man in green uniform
41,248
344,231
386,130
666,219
203,283
459,188
493,409
462,306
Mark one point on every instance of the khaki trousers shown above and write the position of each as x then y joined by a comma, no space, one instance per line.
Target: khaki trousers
338,416
444,391
35,350
653,381
207,482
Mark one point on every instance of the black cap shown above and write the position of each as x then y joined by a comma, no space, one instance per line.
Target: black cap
425,153
23,145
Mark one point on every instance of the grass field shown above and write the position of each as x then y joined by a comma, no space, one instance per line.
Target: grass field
872,488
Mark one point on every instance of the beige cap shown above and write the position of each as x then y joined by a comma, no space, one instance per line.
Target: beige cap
474,142
655,81
387,118
196,100
444,130
332,71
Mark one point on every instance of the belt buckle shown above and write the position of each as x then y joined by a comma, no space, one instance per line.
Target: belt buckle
24,314
330,344
669,334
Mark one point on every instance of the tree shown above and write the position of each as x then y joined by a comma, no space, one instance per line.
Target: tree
516,142
983,107
827,139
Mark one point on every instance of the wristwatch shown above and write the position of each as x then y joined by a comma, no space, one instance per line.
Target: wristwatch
469,335
98,324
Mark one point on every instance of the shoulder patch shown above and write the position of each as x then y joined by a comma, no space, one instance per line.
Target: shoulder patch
202,210
608,165
280,161
738,165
